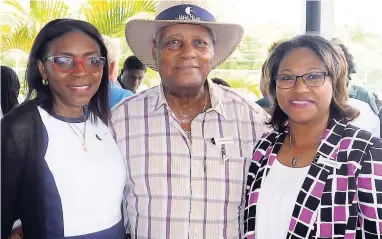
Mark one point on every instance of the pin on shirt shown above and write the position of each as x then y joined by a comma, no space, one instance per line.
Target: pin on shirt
222,142
217,141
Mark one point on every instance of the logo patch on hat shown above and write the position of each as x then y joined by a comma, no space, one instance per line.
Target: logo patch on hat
190,15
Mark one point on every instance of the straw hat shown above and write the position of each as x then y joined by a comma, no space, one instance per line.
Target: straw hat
139,32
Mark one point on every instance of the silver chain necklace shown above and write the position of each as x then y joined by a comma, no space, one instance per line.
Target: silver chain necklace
83,141
295,158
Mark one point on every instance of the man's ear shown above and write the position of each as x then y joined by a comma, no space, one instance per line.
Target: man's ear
42,69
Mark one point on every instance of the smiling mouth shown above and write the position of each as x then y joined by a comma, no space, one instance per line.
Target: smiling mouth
84,87
301,102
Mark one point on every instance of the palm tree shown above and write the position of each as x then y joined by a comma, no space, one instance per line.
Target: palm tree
28,22
110,16
243,83
20,25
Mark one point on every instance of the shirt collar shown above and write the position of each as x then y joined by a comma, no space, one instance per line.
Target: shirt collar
216,96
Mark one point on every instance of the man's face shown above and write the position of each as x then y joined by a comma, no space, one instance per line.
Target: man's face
132,79
184,56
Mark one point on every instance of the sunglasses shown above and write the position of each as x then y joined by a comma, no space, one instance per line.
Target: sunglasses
67,64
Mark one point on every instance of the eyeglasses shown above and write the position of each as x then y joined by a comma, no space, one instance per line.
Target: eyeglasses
67,64
314,79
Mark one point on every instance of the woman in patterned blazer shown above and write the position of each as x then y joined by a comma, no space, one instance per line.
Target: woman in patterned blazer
316,175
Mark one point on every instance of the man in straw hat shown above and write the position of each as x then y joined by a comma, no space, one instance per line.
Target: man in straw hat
187,142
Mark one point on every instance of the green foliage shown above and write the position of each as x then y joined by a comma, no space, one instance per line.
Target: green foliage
110,16
21,38
20,25
152,78
239,79
27,23
23,24
23,83
243,83
43,12
248,55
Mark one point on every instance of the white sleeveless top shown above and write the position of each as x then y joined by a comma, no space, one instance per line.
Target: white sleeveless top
277,198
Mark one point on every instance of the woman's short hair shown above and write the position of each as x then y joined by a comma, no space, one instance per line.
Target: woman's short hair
99,103
335,64
10,88
133,63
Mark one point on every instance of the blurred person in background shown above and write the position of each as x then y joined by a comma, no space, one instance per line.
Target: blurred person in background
360,98
265,101
10,88
117,93
356,92
132,74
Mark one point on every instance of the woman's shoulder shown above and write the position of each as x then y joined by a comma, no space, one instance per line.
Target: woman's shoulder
356,133
20,118
362,139
268,139
22,111
272,135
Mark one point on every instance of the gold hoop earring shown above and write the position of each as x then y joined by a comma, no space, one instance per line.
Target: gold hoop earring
45,82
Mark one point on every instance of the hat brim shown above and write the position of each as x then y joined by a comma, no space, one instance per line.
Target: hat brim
139,37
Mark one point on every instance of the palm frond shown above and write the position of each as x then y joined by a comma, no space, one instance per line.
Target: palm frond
21,38
17,10
243,83
5,29
26,24
152,78
45,11
110,17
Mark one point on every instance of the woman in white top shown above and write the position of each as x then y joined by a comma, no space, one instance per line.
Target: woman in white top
316,175
62,173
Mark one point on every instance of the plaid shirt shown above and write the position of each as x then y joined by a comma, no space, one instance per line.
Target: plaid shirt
181,189
341,196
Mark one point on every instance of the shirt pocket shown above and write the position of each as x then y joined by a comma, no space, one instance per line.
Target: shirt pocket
227,168
237,176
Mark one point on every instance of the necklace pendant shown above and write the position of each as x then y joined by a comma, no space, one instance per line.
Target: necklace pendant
84,148
294,160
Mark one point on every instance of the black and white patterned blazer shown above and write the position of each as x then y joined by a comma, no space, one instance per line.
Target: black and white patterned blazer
341,196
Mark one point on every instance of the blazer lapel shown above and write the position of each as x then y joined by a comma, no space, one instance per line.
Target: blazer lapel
262,161
316,182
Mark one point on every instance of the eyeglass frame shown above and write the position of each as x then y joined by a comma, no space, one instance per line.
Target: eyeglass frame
303,80
77,61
